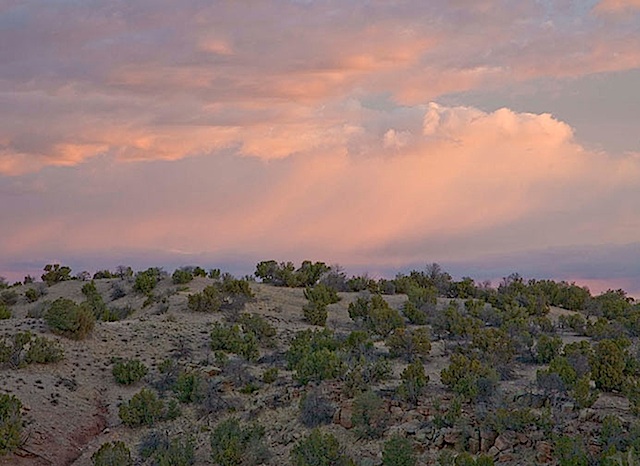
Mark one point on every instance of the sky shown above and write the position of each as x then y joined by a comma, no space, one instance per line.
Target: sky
490,137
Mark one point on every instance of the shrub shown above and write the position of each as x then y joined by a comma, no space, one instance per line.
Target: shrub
398,451
361,376
166,451
9,297
129,371
312,355
414,381
111,454
583,394
189,387
270,375
144,409
95,302
608,365
321,294
570,451
5,312
315,313
319,365
370,415
102,274
230,338
259,327
67,318
207,301
55,273
39,350
318,449
468,377
232,286
146,281
547,348
44,351
182,276
315,409
233,444
409,344
10,423
384,320
376,315
33,294
416,316
307,342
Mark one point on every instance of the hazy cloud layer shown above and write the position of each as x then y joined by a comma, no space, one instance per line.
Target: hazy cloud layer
238,130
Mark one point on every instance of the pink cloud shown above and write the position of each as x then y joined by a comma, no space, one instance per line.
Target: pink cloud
445,172
150,81
616,6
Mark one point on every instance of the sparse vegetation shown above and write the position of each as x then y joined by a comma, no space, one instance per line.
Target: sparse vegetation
69,319
144,409
10,423
367,382
54,273
111,454
319,449
234,444
129,371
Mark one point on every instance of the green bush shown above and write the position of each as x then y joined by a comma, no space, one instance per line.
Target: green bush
10,423
231,286
182,276
398,451
376,315
144,409
67,318
33,294
189,387
5,312
319,365
232,444
370,415
312,355
362,375
583,394
9,297
166,451
270,375
318,449
258,326
570,451
416,316
231,339
55,273
315,313
409,344
608,365
40,350
468,377
44,351
414,382
547,348
209,300
321,294
112,454
146,281
129,371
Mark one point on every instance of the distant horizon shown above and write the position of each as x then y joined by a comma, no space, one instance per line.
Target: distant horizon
478,272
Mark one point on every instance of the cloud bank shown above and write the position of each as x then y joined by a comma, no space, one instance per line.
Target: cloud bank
237,131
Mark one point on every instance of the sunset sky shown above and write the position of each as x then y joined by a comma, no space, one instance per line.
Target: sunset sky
488,136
